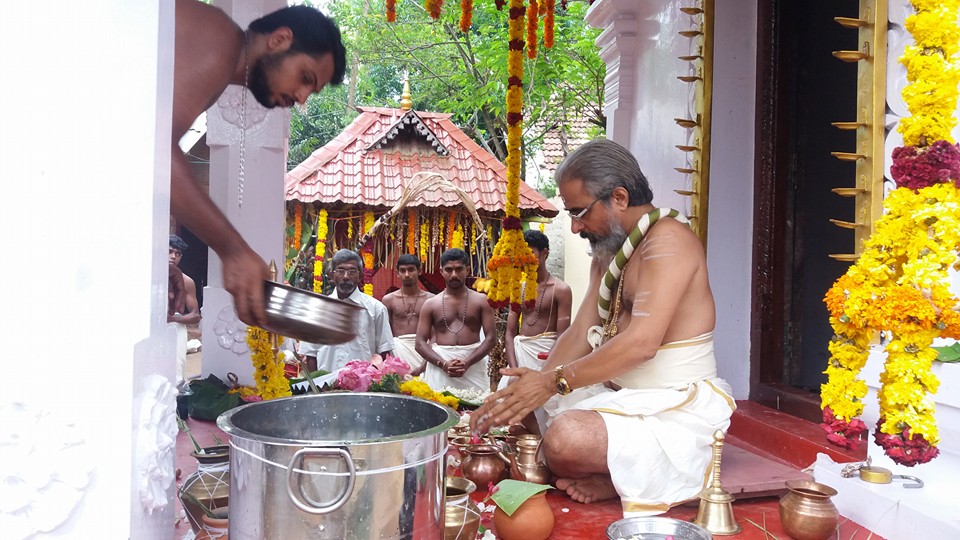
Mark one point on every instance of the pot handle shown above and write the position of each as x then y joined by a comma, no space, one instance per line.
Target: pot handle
300,499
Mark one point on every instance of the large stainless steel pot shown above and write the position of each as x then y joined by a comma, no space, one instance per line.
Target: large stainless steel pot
343,466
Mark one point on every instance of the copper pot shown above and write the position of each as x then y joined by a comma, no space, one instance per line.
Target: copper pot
484,464
806,511
526,464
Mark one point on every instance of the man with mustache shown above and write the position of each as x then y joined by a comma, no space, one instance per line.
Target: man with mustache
635,372
282,58
455,318
374,335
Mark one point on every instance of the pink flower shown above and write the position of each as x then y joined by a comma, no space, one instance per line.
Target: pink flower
395,365
354,380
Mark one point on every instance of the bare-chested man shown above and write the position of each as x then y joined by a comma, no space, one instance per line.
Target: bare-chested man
404,306
455,318
652,342
283,58
534,332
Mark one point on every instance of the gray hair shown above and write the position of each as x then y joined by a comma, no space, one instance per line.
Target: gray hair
346,255
603,165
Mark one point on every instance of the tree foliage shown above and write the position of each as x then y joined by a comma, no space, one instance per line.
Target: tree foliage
464,74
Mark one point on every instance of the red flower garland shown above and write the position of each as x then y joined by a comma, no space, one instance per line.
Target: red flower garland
842,433
532,21
916,168
904,448
549,6
466,15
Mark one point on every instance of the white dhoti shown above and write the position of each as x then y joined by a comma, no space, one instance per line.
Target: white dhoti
181,351
660,425
475,378
405,347
527,349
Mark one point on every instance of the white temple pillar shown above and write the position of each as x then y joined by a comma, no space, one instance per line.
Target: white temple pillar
86,396
255,206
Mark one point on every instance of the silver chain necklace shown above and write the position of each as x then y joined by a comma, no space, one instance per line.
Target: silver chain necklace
243,118
463,318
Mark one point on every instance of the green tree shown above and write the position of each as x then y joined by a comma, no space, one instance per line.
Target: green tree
464,74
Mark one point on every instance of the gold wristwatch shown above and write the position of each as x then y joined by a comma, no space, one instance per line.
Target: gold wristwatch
563,387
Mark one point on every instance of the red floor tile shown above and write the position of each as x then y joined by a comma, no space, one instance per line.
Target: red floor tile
574,521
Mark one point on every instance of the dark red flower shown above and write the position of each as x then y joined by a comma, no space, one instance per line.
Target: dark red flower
916,168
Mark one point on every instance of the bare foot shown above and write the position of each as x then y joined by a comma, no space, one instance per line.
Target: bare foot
588,490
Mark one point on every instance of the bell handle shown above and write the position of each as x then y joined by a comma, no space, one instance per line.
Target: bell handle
305,503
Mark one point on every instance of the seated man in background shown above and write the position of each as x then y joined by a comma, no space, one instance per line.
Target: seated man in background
535,331
373,331
404,306
456,318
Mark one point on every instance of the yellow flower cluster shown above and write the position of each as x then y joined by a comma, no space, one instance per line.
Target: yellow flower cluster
417,388
321,250
267,369
457,240
932,72
900,283
424,240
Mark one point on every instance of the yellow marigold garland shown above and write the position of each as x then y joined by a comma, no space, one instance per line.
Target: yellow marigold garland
267,368
424,239
417,388
513,261
297,224
900,283
457,241
321,250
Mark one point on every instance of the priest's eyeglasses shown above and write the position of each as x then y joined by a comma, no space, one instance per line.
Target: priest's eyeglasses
579,215
353,272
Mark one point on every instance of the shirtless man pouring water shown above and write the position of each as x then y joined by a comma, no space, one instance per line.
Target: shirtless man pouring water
282,58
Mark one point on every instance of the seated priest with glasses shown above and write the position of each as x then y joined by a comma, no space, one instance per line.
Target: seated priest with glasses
374,335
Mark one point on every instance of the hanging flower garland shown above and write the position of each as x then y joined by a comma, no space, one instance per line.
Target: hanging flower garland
900,283
548,6
321,250
391,10
457,241
368,221
424,239
513,261
267,368
412,231
466,15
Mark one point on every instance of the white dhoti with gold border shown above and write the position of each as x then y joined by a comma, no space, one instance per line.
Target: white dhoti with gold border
660,425
405,347
527,351
475,378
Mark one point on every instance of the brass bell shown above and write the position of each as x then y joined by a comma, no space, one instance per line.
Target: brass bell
716,504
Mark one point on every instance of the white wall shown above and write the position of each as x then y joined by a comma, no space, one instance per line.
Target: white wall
85,397
640,44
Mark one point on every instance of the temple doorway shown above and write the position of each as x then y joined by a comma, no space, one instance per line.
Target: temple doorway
802,88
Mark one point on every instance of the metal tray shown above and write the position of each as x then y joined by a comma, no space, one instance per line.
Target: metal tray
306,316
655,528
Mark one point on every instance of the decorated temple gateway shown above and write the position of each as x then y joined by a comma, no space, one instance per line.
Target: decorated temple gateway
398,181
812,145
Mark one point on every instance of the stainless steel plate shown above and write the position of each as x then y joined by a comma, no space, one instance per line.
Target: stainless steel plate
306,316
655,528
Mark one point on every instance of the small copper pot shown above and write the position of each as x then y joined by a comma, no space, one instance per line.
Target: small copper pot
806,511
483,464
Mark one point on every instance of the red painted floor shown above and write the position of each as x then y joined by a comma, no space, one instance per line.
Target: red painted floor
758,516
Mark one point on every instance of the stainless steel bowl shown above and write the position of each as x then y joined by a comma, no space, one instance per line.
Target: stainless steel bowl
655,528
306,316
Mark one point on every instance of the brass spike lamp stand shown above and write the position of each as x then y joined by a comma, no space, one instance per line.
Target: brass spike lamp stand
716,509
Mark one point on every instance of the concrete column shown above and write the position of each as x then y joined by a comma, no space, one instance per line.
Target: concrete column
86,396
255,206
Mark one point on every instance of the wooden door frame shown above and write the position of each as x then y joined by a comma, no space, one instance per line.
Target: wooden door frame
770,174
